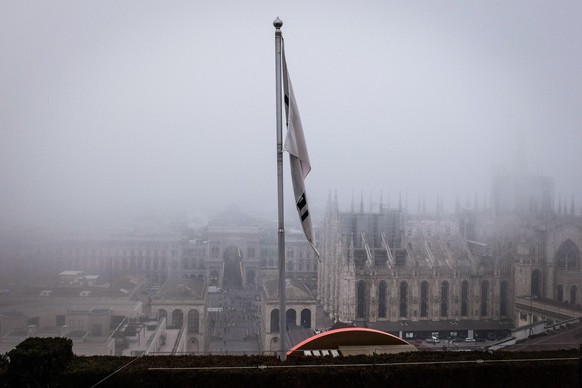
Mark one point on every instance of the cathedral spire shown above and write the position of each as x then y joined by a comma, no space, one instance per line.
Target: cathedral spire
329,203
381,210
475,205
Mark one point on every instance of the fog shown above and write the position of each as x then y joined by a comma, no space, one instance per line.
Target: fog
112,109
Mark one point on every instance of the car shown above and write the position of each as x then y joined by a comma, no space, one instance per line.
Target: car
469,339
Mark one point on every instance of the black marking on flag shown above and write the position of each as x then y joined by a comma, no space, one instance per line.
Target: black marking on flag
286,100
302,202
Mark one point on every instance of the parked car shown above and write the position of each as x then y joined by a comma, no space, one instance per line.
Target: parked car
469,339
433,340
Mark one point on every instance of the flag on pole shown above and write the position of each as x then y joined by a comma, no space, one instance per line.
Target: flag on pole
298,155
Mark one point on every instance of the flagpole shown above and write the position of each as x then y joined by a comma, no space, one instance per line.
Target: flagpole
281,241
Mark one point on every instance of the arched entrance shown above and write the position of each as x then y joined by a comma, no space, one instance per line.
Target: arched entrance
232,260
403,300
306,318
177,318
536,283
275,321
251,278
291,318
214,278
503,299
360,297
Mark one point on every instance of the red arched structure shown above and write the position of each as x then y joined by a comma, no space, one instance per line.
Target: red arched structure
357,340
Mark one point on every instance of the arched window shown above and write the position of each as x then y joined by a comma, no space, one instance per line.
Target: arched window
536,283
503,298
382,300
361,298
275,321
464,298
444,299
193,321
424,299
403,300
484,297
568,256
291,318
177,318
573,292
306,318
162,314
560,293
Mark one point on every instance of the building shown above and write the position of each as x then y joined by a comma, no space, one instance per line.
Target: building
100,318
228,253
300,314
182,304
389,267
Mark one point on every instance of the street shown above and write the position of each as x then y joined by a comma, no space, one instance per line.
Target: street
234,322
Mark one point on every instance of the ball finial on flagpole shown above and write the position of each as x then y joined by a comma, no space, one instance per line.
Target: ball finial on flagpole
278,23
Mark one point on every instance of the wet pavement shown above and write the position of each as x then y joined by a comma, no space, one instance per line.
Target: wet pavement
234,322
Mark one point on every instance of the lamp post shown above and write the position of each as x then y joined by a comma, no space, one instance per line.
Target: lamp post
530,309
531,298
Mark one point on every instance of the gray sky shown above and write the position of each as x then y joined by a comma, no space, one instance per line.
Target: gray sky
120,107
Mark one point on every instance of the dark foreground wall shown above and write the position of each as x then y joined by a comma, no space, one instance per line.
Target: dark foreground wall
419,369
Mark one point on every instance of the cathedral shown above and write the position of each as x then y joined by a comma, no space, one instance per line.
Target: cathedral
515,262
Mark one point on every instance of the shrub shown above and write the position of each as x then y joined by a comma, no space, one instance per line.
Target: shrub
37,361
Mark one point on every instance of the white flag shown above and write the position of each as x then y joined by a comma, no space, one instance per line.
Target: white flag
298,156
